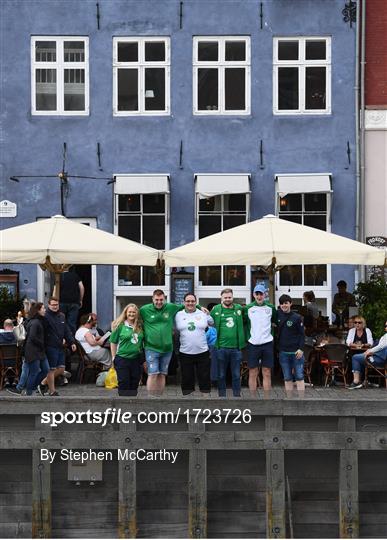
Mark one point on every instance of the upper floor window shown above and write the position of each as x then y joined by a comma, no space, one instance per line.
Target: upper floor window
221,75
141,73
60,75
302,75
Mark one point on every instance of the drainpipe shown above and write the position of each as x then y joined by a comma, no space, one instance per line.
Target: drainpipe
357,137
362,129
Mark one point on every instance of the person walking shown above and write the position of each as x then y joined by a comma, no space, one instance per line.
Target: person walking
191,324
36,362
126,344
228,320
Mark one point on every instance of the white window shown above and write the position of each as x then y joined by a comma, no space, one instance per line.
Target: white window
219,209
302,75
141,210
311,208
141,73
221,75
60,75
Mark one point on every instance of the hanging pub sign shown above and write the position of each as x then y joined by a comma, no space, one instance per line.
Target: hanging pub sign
7,209
377,241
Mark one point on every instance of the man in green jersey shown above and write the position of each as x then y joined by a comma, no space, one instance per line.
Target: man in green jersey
228,321
158,318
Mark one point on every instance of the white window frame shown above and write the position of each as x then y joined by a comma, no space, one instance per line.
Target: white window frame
221,65
302,64
141,65
59,65
213,291
141,290
323,292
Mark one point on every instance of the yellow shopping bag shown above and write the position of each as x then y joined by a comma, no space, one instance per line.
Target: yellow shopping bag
111,379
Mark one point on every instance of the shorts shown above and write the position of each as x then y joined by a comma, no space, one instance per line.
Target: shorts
291,366
56,357
156,362
263,354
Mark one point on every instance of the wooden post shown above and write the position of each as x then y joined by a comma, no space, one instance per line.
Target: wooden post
275,483
41,491
127,500
348,485
197,486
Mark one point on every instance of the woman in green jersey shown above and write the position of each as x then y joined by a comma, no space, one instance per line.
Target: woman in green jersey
126,343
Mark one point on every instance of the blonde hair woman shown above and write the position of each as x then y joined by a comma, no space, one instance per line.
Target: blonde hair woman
359,336
126,344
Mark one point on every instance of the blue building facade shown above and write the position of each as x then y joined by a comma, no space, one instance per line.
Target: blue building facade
209,113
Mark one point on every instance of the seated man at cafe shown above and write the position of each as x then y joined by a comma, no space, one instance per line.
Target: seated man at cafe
92,343
342,301
7,337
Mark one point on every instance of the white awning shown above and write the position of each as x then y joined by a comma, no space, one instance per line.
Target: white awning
141,183
209,185
303,183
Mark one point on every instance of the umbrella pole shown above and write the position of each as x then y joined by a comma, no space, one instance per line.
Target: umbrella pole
57,285
271,270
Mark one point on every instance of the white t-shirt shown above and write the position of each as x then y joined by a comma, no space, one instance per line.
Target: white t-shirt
192,328
80,336
260,321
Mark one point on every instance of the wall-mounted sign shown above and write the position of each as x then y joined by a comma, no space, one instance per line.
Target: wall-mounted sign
8,209
377,241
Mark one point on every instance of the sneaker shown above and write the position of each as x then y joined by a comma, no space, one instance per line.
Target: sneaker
42,389
355,386
15,391
67,374
54,394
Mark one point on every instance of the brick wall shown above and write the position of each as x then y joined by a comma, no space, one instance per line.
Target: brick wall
376,54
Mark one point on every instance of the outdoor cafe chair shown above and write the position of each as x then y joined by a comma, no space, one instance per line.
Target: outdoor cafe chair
309,358
9,362
335,363
86,363
370,370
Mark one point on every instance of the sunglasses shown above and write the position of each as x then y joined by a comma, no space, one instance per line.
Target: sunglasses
358,322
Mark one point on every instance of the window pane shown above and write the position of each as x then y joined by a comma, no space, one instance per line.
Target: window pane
235,50
209,225
287,88
74,89
233,221
130,227
127,82
128,203
315,88
235,89
154,51
155,89
46,90
315,274
291,203
315,50
153,234
234,275
212,204
153,276
291,275
127,52
287,50
210,275
74,51
235,202
129,275
154,203
45,51
317,222
208,51
208,89
315,202
293,219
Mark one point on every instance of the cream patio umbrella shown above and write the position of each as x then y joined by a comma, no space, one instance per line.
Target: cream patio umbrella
57,243
273,243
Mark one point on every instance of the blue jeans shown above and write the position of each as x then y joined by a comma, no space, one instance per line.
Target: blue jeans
37,371
358,360
214,365
226,357
289,363
23,376
71,312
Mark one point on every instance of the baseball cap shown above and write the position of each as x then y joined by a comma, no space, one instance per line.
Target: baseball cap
260,288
